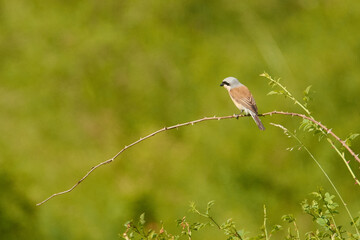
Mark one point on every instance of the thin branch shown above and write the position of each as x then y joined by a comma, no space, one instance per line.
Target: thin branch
192,123
136,142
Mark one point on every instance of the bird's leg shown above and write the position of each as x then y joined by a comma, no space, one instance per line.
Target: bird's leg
238,115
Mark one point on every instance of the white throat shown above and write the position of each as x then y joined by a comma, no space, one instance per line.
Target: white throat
227,87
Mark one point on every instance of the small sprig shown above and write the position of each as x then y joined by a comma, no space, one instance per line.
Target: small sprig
188,228
307,97
284,92
289,218
138,231
227,227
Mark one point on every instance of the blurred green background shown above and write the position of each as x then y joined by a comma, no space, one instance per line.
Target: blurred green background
79,80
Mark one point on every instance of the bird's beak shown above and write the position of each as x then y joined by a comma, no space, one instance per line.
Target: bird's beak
222,84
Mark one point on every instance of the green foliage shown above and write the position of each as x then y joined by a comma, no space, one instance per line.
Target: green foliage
322,209
138,231
311,127
227,227
350,138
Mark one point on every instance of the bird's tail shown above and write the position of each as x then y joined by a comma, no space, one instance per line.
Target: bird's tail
257,120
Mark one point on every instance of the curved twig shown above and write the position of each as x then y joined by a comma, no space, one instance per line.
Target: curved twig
192,123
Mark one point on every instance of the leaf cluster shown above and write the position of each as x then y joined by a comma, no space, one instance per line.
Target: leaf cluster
138,230
322,208
309,126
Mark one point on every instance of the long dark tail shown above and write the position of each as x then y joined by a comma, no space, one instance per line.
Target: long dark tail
257,121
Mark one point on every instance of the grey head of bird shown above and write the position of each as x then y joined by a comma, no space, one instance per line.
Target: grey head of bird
230,82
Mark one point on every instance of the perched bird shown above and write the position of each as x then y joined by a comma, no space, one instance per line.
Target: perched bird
242,98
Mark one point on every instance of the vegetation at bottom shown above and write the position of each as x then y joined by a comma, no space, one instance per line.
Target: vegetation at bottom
321,208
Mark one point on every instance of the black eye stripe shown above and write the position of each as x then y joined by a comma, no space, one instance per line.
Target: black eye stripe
226,83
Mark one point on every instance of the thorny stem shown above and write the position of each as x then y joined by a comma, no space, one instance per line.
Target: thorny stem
329,131
326,175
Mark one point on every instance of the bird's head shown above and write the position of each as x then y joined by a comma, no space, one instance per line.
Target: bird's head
230,82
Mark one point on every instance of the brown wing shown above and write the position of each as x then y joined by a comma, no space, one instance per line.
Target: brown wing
243,96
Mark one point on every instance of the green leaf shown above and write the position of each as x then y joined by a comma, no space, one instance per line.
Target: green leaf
242,233
288,218
356,221
197,226
322,222
328,198
209,205
350,138
151,234
142,219
273,93
192,207
264,74
307,90
128,223
276,228
317,195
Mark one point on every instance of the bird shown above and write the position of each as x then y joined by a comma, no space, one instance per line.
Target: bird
242,98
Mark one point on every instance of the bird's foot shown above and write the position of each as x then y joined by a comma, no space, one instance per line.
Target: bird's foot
236,116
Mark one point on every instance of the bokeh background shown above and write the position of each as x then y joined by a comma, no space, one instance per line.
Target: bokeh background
79,80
